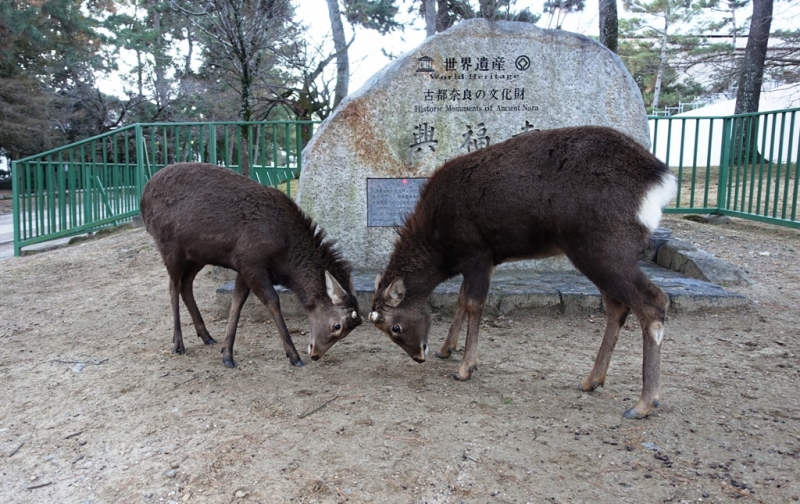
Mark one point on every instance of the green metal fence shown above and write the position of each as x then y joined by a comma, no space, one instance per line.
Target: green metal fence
744,165
99,181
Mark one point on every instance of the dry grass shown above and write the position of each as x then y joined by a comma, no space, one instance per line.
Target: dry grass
762,190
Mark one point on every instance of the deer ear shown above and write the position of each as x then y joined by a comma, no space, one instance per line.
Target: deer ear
334,290
378,280
394,294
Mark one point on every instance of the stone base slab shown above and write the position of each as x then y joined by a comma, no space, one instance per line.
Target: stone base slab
521,291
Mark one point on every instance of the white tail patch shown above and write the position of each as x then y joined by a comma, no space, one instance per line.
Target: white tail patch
656,198
656,331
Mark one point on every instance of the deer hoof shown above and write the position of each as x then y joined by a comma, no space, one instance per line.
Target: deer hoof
588,386
458,376
228,363
442,355
179,349
299,363
634,414
210,341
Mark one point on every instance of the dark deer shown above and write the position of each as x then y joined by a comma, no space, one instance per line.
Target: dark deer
591,193
202,214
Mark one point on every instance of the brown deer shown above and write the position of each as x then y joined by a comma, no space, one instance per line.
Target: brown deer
591,193
203,214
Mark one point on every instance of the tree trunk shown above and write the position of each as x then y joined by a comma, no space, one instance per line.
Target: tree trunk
488,9
442,15
161,83
755,53
661,64
609,24
342,58
430,17
732,4
745,137
187,68
245,114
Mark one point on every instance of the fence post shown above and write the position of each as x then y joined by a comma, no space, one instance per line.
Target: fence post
724,162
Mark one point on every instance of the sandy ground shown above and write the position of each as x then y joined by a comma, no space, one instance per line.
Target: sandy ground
95,408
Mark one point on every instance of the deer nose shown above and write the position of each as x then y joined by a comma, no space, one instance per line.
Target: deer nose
311,352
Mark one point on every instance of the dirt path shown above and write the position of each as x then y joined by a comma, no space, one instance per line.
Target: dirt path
94,408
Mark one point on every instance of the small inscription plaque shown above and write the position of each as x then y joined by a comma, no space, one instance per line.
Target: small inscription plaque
389,200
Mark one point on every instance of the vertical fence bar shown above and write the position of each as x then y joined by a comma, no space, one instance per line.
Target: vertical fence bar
141,179
739,139
30,196
796,178
778,167
131,174
39,181
666,156
49,196
755,206
287,171
695,144
275,148
711,123
298,135
754,159
15,206
788,167
212,143
62,191
722,184
682,143
263,147
73,188
769,168
153,161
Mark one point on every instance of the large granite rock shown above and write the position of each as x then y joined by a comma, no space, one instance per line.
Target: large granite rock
475,84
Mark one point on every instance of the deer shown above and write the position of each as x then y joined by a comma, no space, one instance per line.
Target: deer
202,214
590,193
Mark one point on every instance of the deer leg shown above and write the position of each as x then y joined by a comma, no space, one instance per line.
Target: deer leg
187,293
267,294
616,314
238,297
625,282
651,318
476,289
174,294
451,341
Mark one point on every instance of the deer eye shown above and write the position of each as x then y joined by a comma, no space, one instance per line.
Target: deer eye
337,326
396,329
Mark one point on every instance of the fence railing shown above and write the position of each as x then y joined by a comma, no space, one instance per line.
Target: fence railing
99,181
744,165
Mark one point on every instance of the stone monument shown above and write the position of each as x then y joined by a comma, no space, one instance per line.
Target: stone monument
478,83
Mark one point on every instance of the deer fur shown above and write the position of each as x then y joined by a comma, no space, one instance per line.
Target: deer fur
203,214
591,193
